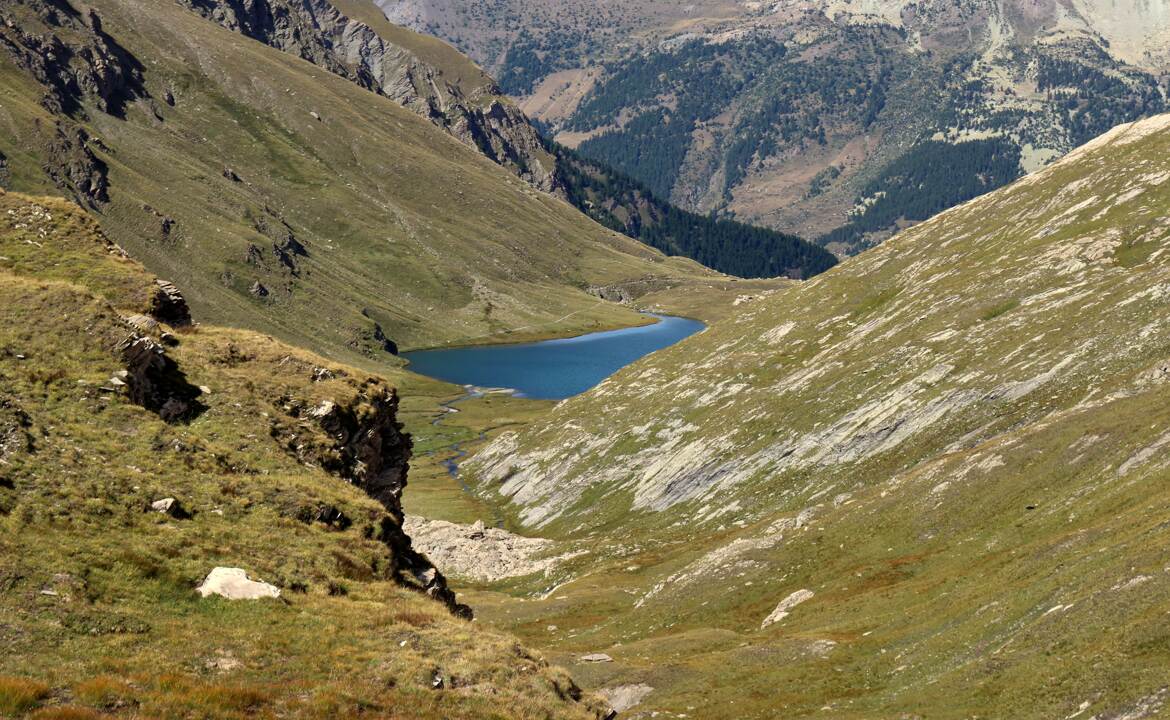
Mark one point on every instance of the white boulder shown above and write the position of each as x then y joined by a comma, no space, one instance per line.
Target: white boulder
233,584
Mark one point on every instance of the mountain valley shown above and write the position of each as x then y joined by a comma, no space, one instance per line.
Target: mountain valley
923,475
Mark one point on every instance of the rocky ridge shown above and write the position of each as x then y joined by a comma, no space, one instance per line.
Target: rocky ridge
265,499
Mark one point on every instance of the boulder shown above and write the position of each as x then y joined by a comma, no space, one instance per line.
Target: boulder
596,658
234,584
170,506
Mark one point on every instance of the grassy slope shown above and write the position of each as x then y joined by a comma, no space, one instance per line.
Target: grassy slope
97,596
437,243
958,441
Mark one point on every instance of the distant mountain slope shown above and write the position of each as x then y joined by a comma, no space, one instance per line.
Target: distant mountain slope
932,480
276,462
628,206
351,38
288,199
800,115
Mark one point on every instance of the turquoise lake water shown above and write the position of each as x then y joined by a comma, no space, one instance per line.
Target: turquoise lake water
552,369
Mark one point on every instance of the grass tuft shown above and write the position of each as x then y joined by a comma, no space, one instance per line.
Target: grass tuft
105,691
19,695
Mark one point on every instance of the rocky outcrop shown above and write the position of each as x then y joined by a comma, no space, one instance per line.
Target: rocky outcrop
154,381
168,305
474,111
74,59
784,608
369,448
72,166
76,63
361,441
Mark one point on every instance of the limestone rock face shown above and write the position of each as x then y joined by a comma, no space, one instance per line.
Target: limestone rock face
785,607
234,584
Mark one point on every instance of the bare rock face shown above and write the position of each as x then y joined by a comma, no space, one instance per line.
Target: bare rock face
169,305
154,381
316,31
370,449
234,584
361,441
76,62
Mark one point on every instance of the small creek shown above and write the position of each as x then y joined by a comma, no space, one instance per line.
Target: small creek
451,464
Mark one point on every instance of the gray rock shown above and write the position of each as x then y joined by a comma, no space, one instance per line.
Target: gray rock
624,697
596,658
169,305
170,506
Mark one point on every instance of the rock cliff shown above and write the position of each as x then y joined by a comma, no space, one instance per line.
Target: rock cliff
360,440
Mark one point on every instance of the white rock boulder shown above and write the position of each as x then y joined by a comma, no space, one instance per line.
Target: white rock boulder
233,584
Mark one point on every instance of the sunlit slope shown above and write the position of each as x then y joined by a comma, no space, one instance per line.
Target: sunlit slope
229,147
97,591
958,443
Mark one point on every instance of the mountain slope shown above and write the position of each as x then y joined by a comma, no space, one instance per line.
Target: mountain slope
804,115
627,206
354,40
283,464
287,199
930,481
